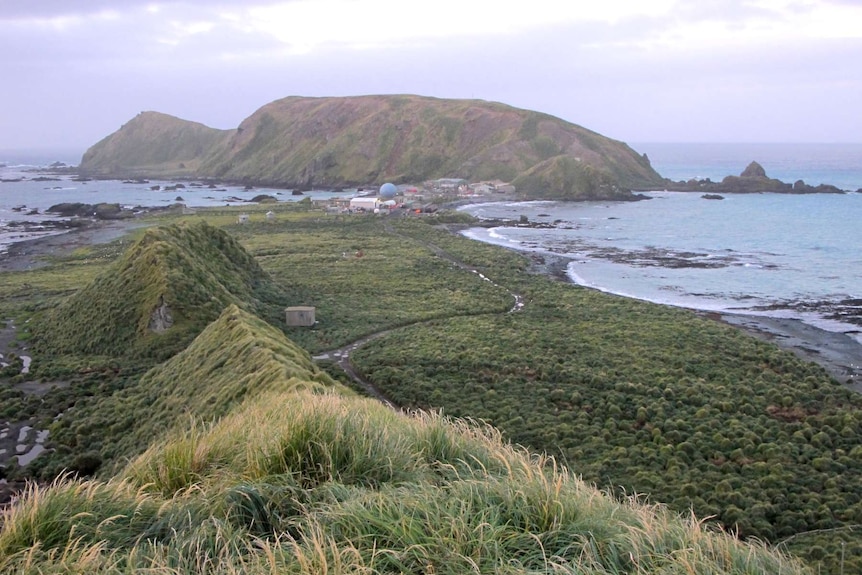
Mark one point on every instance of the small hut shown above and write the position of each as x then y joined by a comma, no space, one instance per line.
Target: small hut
242,219
300,315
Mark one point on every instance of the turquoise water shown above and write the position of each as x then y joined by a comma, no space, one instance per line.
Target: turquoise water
774,254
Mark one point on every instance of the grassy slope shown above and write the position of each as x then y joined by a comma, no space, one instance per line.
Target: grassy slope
293,482
152,145
236,356
649,398
194,269
286,243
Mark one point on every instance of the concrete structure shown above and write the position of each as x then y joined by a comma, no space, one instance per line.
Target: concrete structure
242,219
300,315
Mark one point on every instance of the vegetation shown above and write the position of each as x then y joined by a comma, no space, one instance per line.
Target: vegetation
299,142
302,483
646,398
151,145
236,356
361,278
159,295
256,459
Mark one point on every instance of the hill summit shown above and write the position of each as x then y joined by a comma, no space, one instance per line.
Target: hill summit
303,142
159,295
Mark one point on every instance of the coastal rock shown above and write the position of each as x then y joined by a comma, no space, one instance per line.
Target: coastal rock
752,180
101,211
264,199
753,170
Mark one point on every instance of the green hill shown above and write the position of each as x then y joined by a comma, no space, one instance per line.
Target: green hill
237,356
244,457
300,141
159,295
152,145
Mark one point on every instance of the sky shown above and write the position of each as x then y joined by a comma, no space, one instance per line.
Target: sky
73,71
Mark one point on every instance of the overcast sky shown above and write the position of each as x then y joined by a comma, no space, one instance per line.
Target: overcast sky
73,71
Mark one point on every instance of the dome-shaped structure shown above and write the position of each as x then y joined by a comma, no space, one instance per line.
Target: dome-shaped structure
388,190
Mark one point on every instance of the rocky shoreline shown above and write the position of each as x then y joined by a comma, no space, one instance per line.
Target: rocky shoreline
838,353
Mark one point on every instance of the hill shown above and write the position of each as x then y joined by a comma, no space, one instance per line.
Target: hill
151,145
300,142
237,356
159,295
254,467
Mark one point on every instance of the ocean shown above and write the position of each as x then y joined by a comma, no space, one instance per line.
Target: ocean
23,203
789,256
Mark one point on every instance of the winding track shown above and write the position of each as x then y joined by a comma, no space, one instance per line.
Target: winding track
341,355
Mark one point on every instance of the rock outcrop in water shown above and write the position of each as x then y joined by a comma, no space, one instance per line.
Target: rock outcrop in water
752,180
303,142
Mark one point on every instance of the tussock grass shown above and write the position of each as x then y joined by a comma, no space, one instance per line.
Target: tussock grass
310,482
235,357
195,270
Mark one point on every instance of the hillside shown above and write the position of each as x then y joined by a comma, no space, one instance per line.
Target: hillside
150,145
299,142
159,295
292,482
237,356
248,458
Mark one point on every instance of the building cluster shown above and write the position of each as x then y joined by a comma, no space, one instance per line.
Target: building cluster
416,199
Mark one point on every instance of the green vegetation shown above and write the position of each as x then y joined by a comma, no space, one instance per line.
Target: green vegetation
246,457
153,145
353,141
158,296
236,356
563,177
361,278
302,483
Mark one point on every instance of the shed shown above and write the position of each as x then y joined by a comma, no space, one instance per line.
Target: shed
299,315
242,219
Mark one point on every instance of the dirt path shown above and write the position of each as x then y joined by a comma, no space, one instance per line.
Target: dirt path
341,356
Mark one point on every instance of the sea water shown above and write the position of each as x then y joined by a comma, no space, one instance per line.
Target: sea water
25,201
797,256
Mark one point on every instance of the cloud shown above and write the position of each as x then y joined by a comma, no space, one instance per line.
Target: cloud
719,68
